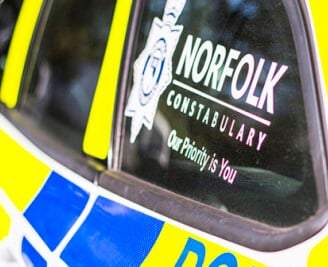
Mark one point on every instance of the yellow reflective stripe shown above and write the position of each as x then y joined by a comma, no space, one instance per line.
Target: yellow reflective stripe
318,256
21,176
171,243
17,54
319,16
97,136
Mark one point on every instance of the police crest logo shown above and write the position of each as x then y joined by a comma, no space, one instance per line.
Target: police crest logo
152,71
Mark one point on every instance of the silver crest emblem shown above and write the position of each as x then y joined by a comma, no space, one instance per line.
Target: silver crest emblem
153,68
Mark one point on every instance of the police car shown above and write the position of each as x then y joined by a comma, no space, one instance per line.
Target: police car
165,133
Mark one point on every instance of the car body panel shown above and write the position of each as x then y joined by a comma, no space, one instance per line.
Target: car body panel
68,220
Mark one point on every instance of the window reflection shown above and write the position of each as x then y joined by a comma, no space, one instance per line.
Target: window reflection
67,67
260,171
8,14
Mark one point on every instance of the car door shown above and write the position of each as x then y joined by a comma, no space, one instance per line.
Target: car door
163,133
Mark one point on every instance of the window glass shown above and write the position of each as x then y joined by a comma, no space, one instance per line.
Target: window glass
8,14
65,62
215,109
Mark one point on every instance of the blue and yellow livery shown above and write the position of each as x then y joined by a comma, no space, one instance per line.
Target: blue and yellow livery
164,133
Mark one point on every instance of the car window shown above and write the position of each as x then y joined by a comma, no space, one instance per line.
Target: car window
216,109
8,16
64,66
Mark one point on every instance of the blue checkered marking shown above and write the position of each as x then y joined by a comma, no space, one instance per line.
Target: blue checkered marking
30,256
112,235
55,209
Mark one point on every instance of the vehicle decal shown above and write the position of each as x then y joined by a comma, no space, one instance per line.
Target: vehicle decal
18,51
98,132
112,235
68,222
23,245
21,176
31,255
191,250
55,209
252,133
153,68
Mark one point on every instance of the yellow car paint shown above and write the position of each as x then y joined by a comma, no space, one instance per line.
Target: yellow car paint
21,177
318,255
171,243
